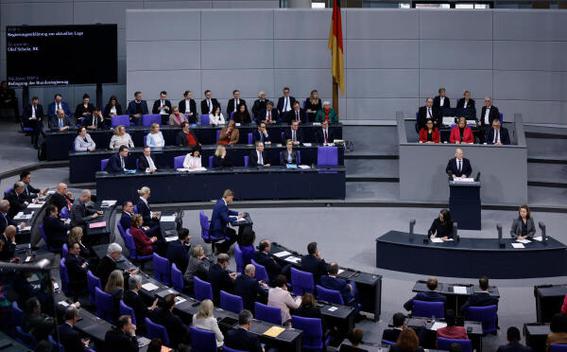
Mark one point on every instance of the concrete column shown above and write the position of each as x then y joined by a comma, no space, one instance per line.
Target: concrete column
299,4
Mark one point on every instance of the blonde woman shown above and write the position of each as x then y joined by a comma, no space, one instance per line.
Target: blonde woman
220,159
121,137
176,118
154,139
198,266
205,320
115,287
76,236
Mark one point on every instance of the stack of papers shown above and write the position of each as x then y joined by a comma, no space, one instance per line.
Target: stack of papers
22,216
518,245
274,331
148,286
108,203
170,238
461,290
304,167
282,254
35,205
293,259
438,325
179,299
525,241
436,240
307,144
538,238
332,309
97,225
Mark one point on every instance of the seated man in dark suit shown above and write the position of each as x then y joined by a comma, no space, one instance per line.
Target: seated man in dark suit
77,268
294,133
220,278
56,105
122,336
264,258
324,135
296,114
313,263
108,263
332,282
428,296
268,115
428,112
60,122
259,157
514,337
459,166
209,104
178,251
261,134
240,338
285,103
59,198
145,162
5,220
81,213
177,330
162,106
117,162
481,298
70,339
8,244
497,135
137,108
220,220
30,191
133,300
17,199
399,321
188,107
127,214
249,288
234,103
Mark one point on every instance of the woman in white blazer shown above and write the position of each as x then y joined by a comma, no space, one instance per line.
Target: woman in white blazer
120,138
216,118
192,160
154,139
84,142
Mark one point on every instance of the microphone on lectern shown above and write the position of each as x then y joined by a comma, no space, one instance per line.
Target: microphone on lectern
411,227
499,229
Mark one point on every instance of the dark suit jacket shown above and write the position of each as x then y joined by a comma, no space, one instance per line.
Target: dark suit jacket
516,228
143,163
77,274
290,116
319,138
51,109
177,253
157,103
116,340
5,221
514,347
280,105
249,289
230,106
391,334
471,108
317,267
427,296
145,211
114,165
494,114
175,327
437,103
504,136
100,123
254,158
260,137
205,107
17,203
299,135
9,249
261,116
259,106
220,280
126,221
219,162
104,268
220,218
27,113
268,262
106,111
80,214
192,108
137,304
132,107
54,124
480,299
242,340
422,116
284,156
452,166
337,284
70,338
59,200
80,110
241,117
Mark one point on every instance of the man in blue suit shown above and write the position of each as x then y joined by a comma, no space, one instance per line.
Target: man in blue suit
428,296
127,214
220,220
117,162
58,104
332,282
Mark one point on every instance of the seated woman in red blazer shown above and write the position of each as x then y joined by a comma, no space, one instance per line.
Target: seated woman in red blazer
461,133
144,245
429,134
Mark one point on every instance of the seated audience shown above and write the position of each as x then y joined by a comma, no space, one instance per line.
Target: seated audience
266,259
33,117
188,107
17,199
399,322
260,104
459,166
198,266
186,137
70,338
176,118
83,141
523,227
259,157
327,114
466,105
261,134
314,263
144,244
178,251
296,114
192,160
452,331
177,330
234,103
428,112
242,115
332,282
514,337
429,133
120,138
429,296
488,113
220,159
407,342
8,244
461,134
84,110
77,268
220,277
60,122
112,108
95,121
162,106
155,139
280,297
229,134
294,133
441,101
285,102
249,288
115,287
268,115
55,229
38,324
312,105
209,103
497,135
324,135
146,162
122,336
482,297
58,104
216,117
81,212
240,338
558,328
133,300
137,108
117,162
204,319
108,263
442,226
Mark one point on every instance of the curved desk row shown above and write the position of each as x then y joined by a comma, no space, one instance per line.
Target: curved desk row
60,143
470,257
84,165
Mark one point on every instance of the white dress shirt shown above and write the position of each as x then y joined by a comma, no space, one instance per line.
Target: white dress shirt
191,162
487,116
151,165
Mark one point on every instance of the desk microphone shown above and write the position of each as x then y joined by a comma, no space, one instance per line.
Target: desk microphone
543,232
411,226
477,178
450,174
499,229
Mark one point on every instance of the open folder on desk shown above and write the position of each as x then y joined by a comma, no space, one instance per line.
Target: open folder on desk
274,331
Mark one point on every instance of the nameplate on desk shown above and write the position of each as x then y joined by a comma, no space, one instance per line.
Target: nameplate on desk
291,166
304,167
25,228
179,300
538,238
463,179
307,144
340,271
64,304
293,259
97,225
274,331
148,286
282,254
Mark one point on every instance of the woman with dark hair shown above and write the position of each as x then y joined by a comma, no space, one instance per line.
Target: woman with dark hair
523,227
312,105
407,342
85,109
242,115
442,226
429,133
112,108
192,160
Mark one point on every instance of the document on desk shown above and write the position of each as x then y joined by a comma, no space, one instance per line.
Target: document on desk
168,218
518,245
332,309
197,169
35,205
274,331
460,290
282,254
22,216
524,241
438,325
171,238
108,203
538,238
293,259
304,167
463,180
97,225
307,144
148,286
436,240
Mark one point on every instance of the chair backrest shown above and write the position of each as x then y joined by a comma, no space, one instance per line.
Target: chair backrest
135,209
246,160
298,153
211,161
327,156
154,330
445,344
104,305
56,345
282,135
92,282
202,340
487,315
42,233
238,258
312,331
162,269
121,229
17,314
302,281
266,313
64,250
25,338
202,289
178,161
218,135
250,138
103,164
261,272
148,120
118,120
428,309
230,302
64,275
557,347
177,278
64,213
327,295
205,119
127,310
204,222
130,244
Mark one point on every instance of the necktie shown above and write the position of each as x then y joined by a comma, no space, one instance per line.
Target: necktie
122,165
209,105
496,136
429,112
60,123
293,136
260,159
459,166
